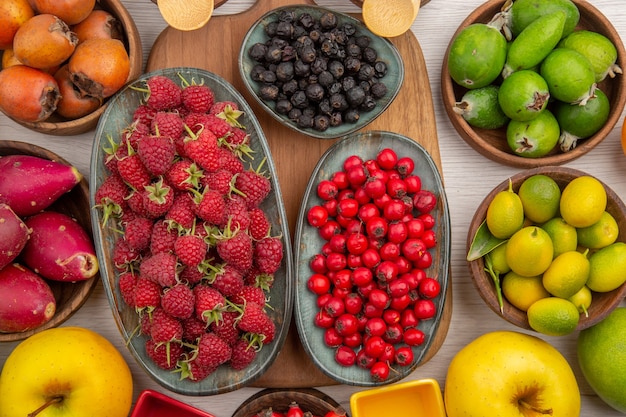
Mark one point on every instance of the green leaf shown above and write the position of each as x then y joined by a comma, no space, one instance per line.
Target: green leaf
483,243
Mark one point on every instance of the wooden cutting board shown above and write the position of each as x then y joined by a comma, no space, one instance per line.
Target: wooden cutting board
215,47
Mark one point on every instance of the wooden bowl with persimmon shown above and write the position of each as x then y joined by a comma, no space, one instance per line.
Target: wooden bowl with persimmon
602,303
97,59
492,143
69,296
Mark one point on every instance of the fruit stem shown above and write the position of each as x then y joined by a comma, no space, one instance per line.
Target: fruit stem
53,400
495,276
535,409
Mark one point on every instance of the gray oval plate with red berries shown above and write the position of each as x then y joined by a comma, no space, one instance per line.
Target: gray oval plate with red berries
190,367
322,344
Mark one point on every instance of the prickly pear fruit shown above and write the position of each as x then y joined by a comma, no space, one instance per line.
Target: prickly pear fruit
13,235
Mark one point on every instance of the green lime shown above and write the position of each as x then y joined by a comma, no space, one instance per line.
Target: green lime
529,251
567,274
598,49
524,12
601,353
600,234
505,214
583,201
534,138
553,316
521,291
476,55
535,42
582,300
607,268
581,121
563,235
523,95
540,196
480,108
577,84
498,259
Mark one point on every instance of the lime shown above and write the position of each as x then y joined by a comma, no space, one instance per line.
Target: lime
553,316
583,201
607,268
540,197
529,251
523,95
601,353
534,138
597,48
577,84
567,274
600,234
581,121
563,235
521,291
498,259
505,214
582,300
524,12
480,108
535,42
476,55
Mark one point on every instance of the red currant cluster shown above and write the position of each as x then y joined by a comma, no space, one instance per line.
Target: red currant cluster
370,275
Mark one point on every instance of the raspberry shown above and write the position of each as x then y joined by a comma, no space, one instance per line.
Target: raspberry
242,355
237,211
229,161
228,281
165,328
255,186
143,114
181,214
147,295
190,249
184,174
202,149
210,303
127,283
210,206
135,204
268,254
218,181
212,351
235,249
133,171
255,321
163,238
193,328
163,93
191,276
137,233
227,327
160,268
157,153
110,197
165,356
259,224
168,124
198,98
124,257
249,294
158,197
178,301
218,126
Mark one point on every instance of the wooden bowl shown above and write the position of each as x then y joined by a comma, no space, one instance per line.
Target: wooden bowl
57,125
69,296
309,399
602,303
492,143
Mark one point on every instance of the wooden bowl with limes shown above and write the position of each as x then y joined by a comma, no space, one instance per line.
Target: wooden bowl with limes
602,302
492,143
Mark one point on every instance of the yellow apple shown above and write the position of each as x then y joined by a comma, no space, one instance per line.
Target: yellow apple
507,373
65,371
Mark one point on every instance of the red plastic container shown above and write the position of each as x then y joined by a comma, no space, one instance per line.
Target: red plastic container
154,404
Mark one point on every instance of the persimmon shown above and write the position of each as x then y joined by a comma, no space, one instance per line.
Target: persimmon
44,41
100,24
28,94
70,11
9,59
73,104
13,13
99,67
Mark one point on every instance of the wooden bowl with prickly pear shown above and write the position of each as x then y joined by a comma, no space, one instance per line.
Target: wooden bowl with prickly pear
492,142
69,296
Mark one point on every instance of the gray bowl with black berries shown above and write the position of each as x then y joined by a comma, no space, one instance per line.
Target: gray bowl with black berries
320,72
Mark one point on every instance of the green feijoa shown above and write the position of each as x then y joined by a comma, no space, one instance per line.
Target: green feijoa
534,138
476,55
569,75
534,43
523,95
480,108
580,122
598,49
524,12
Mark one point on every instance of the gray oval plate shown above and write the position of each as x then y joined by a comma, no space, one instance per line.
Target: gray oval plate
116,117
308,243
387,53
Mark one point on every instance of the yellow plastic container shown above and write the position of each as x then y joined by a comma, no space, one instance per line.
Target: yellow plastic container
418,398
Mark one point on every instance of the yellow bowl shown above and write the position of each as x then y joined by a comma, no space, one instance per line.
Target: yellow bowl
418,398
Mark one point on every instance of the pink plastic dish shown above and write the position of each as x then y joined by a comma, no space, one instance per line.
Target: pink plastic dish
154,404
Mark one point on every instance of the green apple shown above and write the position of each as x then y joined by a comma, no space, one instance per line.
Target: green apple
65,371
602,357
507,373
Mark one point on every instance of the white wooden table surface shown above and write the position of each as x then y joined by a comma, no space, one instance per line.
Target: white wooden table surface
468,177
